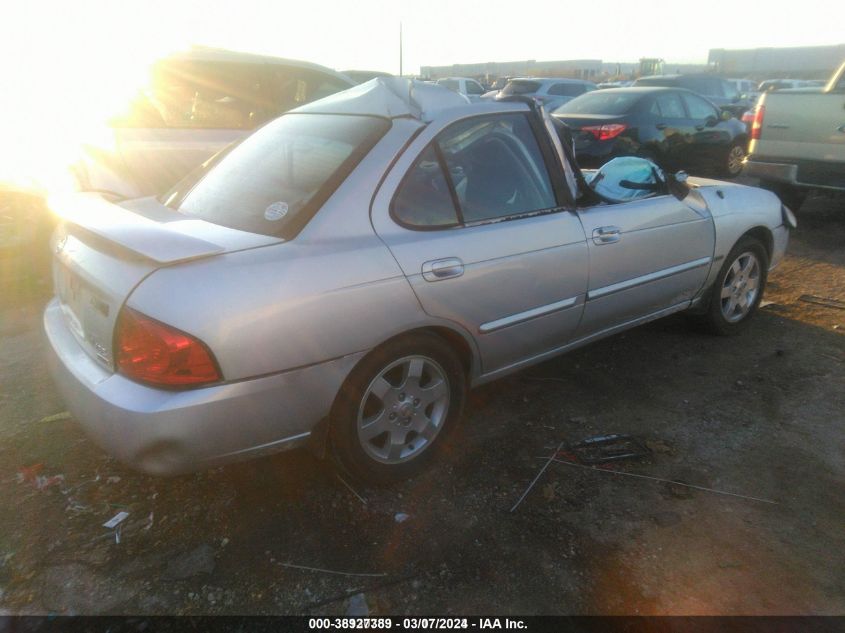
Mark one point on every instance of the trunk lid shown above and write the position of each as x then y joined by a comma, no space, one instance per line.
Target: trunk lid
102,251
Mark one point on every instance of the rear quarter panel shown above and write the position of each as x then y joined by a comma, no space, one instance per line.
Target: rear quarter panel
332,291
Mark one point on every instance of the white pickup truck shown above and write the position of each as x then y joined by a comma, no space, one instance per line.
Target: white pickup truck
798,141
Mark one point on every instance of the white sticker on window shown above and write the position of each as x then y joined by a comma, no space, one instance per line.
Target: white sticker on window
276,211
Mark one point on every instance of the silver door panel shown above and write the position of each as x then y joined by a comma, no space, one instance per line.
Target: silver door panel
645,255
641,297
643,252
524,271
516,305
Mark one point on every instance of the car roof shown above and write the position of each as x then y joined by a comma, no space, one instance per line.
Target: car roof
209,54
683,76
559,80
644,89
389,97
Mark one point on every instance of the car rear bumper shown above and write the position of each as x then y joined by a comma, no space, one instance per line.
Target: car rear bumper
812,174
772,172
169,432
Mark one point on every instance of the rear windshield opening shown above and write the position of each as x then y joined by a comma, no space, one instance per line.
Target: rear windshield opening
274,181
600,102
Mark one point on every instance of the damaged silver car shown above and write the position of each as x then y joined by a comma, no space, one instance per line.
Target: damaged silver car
344,275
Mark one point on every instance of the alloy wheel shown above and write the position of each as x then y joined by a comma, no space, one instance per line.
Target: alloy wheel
403,409
735,157
740,287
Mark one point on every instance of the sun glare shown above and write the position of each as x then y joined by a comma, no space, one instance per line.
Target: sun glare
60,91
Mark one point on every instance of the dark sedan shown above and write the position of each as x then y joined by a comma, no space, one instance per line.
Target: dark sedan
675,128
720,91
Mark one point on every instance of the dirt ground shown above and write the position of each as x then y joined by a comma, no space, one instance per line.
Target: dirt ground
760,415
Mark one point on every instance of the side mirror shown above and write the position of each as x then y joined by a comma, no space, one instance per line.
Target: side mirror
677,184
712,121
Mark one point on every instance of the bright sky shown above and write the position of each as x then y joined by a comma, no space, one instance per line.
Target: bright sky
61,59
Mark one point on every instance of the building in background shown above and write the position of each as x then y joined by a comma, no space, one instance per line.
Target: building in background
589,69
805,62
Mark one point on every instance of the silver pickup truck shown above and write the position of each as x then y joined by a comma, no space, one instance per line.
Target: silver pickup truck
798,141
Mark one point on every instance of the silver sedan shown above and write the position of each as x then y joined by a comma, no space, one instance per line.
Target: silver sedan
343,276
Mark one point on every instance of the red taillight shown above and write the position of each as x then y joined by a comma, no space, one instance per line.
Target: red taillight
151,352
605,132
757,122
748,116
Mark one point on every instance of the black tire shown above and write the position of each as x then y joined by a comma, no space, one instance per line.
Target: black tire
358,456
716,318
731,166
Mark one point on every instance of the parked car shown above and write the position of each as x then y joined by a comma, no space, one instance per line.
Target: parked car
613,84
196,103
345,274
798,141
676,128
720,91
770,85
551,92
360,76
495,87
746,88
470,88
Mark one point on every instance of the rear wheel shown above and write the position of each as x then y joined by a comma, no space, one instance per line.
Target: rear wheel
396,408
739,288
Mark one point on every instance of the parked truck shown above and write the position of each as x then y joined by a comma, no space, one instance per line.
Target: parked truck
798,141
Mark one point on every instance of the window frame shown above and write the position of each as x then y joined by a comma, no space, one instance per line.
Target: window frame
693,95
547,157
679,96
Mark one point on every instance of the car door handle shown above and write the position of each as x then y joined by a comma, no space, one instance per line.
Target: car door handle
661,126
606,235
440,269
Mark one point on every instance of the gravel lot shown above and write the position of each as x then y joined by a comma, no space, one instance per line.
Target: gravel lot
760,415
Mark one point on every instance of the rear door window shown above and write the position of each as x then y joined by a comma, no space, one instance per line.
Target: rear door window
474,88
520,87
424,199
699,109
493,167
567,89
669,105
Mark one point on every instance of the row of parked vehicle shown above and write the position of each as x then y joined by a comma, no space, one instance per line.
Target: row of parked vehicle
678,121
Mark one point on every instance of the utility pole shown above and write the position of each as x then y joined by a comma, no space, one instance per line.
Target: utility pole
400,48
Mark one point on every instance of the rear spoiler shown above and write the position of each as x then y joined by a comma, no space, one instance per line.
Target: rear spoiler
151,230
